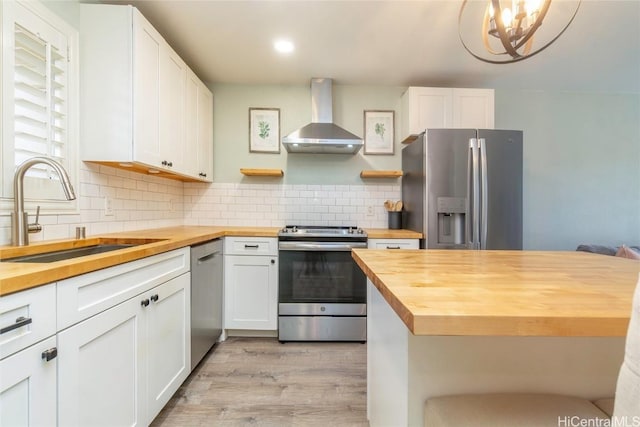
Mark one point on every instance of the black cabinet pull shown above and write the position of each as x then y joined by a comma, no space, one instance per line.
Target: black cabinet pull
164,163
170,164
251,246
20,322
144,302
393,247
154,298
273,261
50,354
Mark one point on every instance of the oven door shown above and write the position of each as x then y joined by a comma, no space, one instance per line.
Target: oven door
318,278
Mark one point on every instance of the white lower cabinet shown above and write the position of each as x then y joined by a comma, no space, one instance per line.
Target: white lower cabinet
251,283
28,357
121,366
28,387
101,372
251,292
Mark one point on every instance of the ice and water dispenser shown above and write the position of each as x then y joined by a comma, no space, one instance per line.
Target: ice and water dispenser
451,220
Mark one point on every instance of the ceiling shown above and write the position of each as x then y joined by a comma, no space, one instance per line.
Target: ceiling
398,43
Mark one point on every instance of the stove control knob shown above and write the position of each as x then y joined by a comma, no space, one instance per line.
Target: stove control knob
351,231
284,230
294,229
360,231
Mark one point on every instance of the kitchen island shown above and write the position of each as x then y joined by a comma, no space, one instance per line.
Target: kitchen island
450,322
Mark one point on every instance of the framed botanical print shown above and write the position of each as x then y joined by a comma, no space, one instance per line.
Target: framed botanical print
264,130
379,132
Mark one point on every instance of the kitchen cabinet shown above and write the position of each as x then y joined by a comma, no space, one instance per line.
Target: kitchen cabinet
426,107
251,283
393,244
127,349
134,93
28,358
199,128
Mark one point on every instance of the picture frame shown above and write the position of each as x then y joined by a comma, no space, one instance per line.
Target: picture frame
379,132
264,130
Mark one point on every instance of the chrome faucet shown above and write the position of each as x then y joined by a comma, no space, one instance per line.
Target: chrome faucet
20,227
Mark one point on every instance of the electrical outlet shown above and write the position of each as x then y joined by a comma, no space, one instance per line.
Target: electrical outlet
108,206
370,211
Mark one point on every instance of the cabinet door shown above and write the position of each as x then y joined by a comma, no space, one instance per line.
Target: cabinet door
191,125
205,133
28,387
426,107
251,292
473,108
173,79
147,52
101,378
169,346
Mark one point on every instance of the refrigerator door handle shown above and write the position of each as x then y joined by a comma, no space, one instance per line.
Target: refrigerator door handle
484,193
474,204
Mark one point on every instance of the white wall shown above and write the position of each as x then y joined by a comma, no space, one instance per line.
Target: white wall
581,166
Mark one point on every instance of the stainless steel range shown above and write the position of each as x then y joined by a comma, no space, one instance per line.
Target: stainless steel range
321,290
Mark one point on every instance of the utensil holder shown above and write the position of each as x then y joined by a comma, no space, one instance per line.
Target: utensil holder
395,220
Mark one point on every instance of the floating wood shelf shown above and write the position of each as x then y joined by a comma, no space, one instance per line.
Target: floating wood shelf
380,174
262,172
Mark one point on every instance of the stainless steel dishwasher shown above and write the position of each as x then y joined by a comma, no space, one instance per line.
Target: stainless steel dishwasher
206,298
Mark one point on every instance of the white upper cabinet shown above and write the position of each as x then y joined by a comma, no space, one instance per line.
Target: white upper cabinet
199,128
428,107
135,96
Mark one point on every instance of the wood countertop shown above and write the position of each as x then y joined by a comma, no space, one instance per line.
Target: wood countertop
15,277
504,293
387,233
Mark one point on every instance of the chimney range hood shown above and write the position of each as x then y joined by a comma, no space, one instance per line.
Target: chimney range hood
321,135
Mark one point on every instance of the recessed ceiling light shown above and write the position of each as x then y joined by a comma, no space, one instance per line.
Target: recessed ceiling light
283,46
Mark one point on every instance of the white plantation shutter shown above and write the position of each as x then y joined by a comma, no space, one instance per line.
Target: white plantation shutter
39,85
39,97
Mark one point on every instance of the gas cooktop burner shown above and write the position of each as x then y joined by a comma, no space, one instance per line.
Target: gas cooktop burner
322,231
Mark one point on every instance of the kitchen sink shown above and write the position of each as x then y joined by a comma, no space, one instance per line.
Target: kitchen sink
66,253
95,246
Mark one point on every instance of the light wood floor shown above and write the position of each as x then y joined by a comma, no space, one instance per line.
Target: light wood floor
258,381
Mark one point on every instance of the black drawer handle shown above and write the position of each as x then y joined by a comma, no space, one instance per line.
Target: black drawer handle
50,354
20,322
393,247
251,246
154,298
144,302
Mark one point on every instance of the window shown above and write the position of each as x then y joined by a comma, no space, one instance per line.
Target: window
39,103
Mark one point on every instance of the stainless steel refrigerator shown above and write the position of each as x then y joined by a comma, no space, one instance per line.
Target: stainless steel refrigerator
462,188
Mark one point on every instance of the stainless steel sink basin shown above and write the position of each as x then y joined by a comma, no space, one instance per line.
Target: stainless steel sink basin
63,254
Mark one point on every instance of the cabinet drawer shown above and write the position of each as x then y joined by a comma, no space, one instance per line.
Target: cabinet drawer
250,246
27,317
84,296
393,244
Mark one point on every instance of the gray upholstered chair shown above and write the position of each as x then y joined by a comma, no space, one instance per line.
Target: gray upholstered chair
539,410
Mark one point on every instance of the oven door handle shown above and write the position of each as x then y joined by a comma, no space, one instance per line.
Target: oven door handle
325,246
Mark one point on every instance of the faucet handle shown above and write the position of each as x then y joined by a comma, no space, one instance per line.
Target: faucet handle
35,227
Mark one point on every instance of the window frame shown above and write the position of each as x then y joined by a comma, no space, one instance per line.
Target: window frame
57,203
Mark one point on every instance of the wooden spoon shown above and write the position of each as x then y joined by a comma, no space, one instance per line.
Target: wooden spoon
398,206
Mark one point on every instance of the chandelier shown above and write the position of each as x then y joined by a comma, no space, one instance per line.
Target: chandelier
508,29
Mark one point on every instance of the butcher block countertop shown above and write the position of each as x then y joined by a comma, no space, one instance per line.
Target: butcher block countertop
504,293
15,277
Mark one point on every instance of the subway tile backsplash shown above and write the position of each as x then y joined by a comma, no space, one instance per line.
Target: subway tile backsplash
141,201
276,205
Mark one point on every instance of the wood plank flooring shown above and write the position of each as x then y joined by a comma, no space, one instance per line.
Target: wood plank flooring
258,381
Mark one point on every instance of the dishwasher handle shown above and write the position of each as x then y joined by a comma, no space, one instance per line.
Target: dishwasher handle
208,257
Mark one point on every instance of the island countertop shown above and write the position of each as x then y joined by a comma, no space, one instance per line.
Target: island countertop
504,293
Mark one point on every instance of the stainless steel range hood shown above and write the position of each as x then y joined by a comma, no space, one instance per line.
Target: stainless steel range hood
321,135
